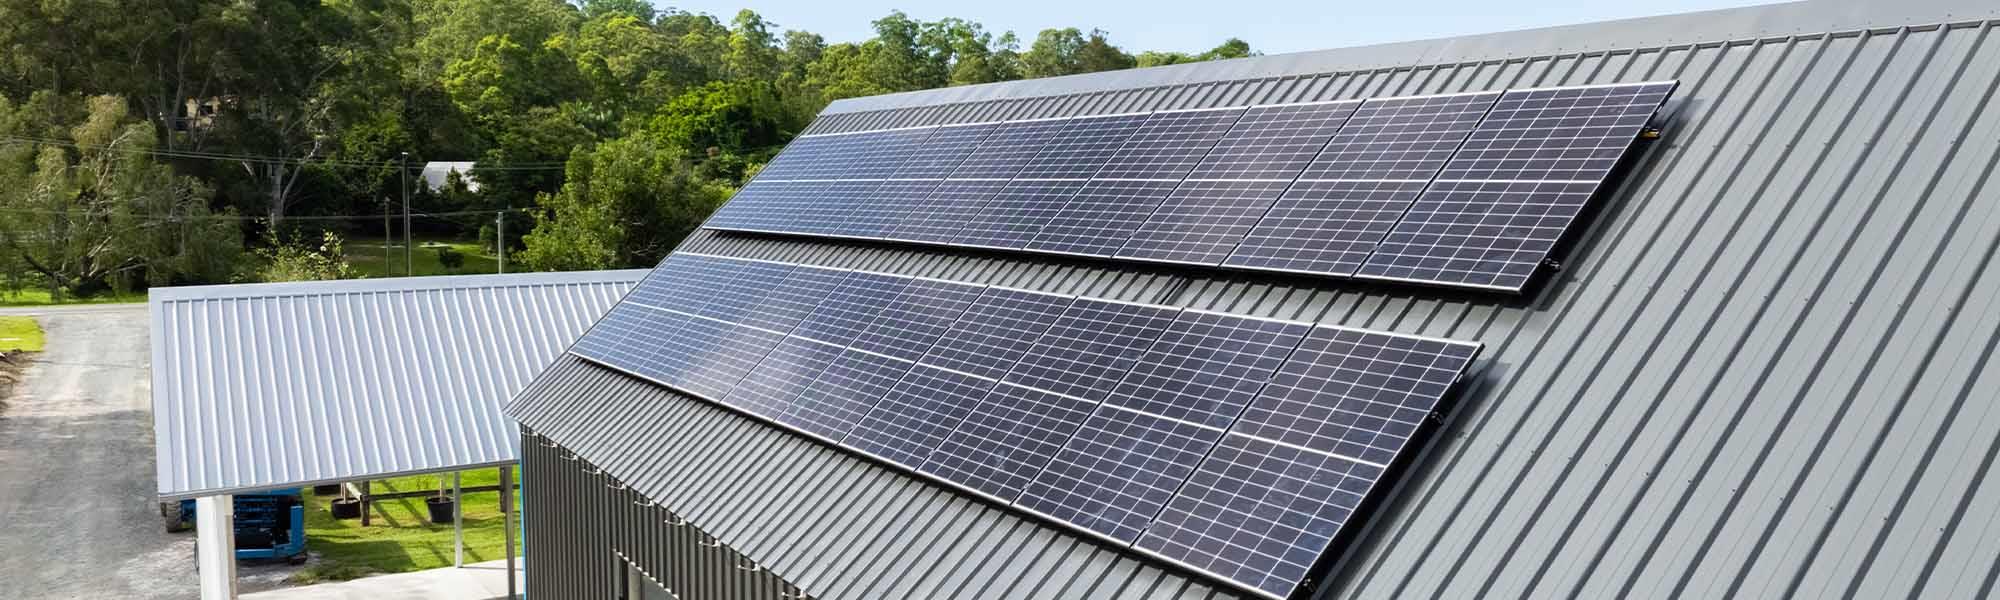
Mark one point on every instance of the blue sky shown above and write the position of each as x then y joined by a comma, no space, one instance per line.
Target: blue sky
1271,26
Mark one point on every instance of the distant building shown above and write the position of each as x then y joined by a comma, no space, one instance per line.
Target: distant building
437,174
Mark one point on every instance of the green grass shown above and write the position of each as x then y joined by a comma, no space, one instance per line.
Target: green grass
20,334
401,537
366,255
40,297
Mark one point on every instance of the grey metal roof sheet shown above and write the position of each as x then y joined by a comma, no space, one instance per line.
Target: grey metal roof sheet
275,385
1766,370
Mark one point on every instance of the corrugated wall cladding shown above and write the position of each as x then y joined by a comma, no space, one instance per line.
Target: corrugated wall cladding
835,525
278,385
589,523
1765,372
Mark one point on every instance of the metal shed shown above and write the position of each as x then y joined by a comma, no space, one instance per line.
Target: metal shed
264,386
1765,371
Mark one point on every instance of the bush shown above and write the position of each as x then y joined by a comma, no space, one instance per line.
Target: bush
300,262
451,260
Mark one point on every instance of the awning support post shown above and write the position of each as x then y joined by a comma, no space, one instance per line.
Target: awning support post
507,513
215,546
457,523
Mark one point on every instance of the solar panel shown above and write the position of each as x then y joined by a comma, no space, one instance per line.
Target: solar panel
671,284
826,207
940,153
1101,216
1090,347
844,391
1400,138
996,331
791,366
1202,221
907,326
789,302
1083,145
1169,144
1271,498
751,205
886,208
864,155
1008,437
1008,148
914,417
731,289
1325,226
628,337
1500,206
951,204
791,161
1274,142
1011,218
718,354
1155,427
850,308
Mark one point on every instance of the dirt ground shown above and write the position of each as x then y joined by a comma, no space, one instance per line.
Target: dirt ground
77,511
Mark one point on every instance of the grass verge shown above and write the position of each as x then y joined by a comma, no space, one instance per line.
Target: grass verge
402,538
20,334
376,258
40,297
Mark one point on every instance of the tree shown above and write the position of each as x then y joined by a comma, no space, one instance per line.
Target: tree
297,261
91,209
1232,48
627,202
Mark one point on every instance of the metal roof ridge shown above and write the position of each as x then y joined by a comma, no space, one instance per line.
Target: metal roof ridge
390,284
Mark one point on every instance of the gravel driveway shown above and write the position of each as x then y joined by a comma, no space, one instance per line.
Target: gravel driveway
77,511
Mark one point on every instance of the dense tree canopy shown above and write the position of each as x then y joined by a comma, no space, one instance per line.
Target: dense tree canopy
615,124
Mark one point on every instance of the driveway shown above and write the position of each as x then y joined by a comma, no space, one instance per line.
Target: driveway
78,517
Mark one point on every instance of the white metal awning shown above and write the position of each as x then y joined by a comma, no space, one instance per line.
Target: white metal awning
264,386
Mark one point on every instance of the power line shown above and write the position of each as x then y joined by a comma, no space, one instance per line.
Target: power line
27,211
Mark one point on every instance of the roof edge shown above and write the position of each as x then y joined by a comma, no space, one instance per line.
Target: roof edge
1771,20
389,284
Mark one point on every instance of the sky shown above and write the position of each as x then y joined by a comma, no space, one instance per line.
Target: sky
1271,26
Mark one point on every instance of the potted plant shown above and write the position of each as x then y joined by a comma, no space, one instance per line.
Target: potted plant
345,506
442,506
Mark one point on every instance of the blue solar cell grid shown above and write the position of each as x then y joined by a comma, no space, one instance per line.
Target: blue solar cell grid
940,153
1205,367
906,327
1274,142
1080,147
996,331
1280,487
1325,226
789,368
916,416
950,206
1011,218
1202,221
1400,138
1007,438
1169,144
850,308
1090,347
1119,469
886,208
844,392
1101,216
1008,148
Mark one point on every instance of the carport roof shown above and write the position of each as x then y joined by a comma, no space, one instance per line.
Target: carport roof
265,386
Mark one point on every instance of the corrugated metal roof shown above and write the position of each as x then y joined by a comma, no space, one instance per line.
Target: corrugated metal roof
276,385
1767,370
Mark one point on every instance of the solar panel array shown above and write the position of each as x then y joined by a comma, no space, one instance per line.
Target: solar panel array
1233,445
1469,190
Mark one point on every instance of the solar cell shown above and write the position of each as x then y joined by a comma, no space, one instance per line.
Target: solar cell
864,155
907,326
844,392
1202,221
1482,234
940,153
1090,347
1266,504
731,289
751,205
996,331
951,204
1325,226
1008,148
886,208
1008,437
718,355
672,284
1083,145
1499,208
1205,367
786,370
1101,216
827,207
794,158
1169,144
850,308
627,337
1274,142
1011,218
791,301
1118,470
915,416
1400,138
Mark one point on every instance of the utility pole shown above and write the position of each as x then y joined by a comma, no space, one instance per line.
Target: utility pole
388,236
500,221
409,245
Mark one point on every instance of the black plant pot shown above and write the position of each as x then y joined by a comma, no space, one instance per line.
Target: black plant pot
346,508
326,490
441,509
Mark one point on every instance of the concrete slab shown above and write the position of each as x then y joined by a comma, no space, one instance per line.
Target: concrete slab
478,581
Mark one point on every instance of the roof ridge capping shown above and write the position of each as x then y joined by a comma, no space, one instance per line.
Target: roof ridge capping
1790,18
390,284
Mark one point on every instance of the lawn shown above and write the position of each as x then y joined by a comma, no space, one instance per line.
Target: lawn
40,297
20,334
401,537
366,255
